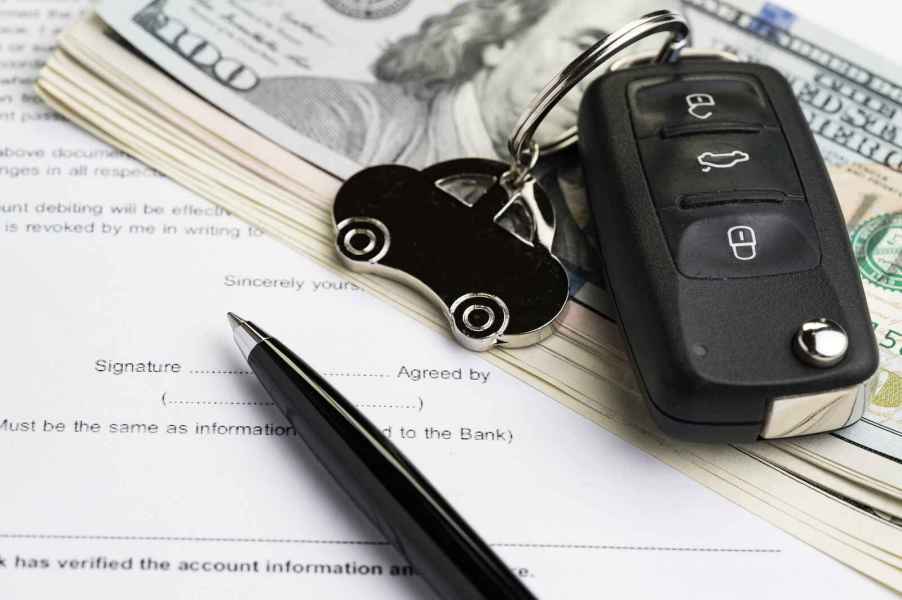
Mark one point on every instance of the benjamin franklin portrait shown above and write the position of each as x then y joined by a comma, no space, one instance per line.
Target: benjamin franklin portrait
455,88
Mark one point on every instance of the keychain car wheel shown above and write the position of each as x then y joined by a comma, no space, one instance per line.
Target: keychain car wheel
478,319
362,240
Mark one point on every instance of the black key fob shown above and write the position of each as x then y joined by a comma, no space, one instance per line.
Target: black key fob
726,252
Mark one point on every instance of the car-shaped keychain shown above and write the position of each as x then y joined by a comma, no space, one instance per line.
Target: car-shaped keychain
438,230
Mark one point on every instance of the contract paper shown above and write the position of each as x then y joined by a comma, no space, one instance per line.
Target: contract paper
141,459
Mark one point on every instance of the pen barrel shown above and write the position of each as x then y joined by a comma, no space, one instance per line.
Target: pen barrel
399,501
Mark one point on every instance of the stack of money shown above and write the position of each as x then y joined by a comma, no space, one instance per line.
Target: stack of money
265,110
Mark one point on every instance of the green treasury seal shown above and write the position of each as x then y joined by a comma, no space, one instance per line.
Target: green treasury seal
877,244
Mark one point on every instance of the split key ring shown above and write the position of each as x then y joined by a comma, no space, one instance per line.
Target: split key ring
524,150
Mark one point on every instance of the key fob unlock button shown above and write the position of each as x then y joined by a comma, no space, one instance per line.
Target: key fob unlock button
724,242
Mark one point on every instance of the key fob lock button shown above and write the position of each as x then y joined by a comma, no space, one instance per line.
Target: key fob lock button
709,101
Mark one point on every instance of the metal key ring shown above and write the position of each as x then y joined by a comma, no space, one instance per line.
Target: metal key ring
524,150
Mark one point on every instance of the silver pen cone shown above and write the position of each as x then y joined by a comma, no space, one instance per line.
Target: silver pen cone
246,334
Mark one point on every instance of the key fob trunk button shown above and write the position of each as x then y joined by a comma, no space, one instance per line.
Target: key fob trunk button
718,162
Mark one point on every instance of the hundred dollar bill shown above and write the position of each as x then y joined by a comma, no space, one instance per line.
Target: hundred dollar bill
874,212
852,98
870,452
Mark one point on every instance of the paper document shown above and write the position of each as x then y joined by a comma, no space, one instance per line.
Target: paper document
115,93
142,460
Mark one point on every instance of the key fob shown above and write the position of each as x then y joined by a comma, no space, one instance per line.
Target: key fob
726,253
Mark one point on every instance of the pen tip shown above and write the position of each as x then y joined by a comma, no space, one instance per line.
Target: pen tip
234,320
247,335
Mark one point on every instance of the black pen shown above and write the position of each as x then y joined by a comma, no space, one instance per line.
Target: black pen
387,488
